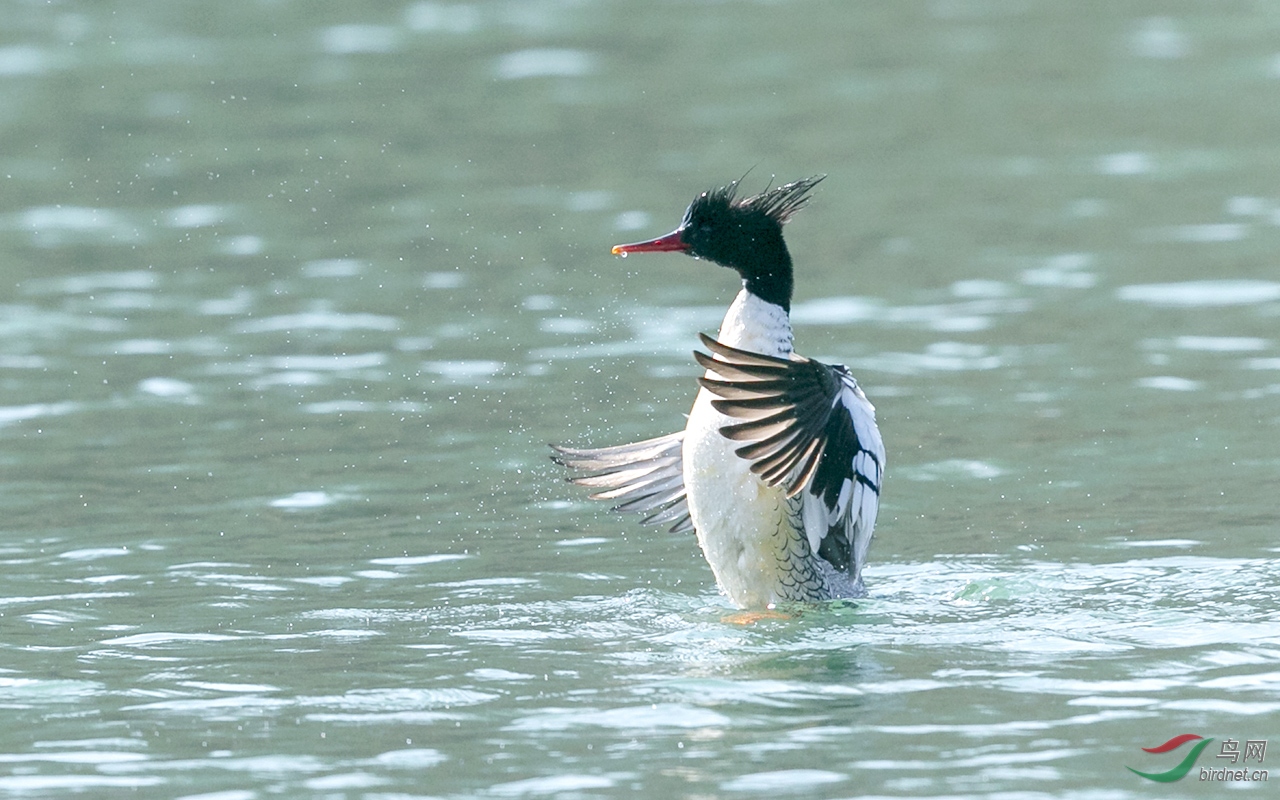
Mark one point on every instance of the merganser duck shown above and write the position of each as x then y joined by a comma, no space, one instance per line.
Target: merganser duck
778,469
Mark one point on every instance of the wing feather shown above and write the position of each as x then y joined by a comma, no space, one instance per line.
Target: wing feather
646,477
808,428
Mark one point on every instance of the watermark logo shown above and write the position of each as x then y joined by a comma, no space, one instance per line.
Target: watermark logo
1229,749
1179,772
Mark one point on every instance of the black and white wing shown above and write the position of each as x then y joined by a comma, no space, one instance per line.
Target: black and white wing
645,477
809,428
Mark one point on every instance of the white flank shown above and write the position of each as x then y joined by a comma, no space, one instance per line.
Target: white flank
744,526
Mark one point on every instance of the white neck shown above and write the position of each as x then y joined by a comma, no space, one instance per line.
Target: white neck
756,325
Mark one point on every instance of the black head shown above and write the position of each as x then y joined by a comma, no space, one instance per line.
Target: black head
742,233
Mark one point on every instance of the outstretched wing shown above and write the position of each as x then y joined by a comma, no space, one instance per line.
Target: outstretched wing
810,429
645,477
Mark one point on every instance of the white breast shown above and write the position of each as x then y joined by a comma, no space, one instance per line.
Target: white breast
744,527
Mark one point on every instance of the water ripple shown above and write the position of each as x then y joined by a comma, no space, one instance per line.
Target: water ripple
1205,294
966,315
351,39
51,226
631,718
544,62
568,784
787,781
321,320
25,59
